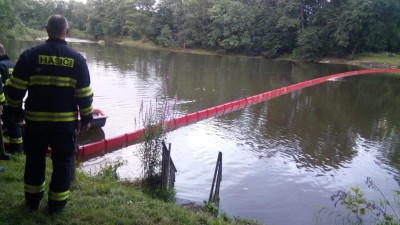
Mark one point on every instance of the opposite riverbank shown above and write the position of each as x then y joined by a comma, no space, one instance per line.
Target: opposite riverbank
367,60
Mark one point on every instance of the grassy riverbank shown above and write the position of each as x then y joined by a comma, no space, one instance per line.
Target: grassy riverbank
368,60
101,199
382,60
151,45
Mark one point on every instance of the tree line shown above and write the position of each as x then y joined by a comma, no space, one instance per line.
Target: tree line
307,29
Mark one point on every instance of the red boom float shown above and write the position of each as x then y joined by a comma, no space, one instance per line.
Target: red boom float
108,145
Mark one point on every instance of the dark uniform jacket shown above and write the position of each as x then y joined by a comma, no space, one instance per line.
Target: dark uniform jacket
58,83
6,69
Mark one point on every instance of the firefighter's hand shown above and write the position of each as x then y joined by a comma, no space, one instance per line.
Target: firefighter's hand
84,127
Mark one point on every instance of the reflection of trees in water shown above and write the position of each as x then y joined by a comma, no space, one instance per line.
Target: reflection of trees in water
382,103
127,60
318,126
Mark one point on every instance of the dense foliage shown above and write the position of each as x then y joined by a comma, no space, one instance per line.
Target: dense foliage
309,29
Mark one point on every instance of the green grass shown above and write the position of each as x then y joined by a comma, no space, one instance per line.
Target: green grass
382,58
101,199
138,44
151,45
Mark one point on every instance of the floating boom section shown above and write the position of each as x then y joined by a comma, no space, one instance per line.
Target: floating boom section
108,145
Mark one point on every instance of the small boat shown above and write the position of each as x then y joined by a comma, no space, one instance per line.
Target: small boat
99,119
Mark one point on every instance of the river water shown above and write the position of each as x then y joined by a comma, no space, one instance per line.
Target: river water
282,159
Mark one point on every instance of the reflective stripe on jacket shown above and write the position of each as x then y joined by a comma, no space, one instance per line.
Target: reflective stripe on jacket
6,69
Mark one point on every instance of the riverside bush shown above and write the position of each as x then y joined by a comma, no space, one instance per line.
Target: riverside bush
360,210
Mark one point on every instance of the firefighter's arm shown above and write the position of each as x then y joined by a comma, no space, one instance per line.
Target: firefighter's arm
84,97
18,85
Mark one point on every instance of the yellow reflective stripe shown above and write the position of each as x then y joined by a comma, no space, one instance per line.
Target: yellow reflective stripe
56,60
18,83
51,116
84,92
10,71
14,103
16,140
52,81
34,189
2,97
59,196
86,111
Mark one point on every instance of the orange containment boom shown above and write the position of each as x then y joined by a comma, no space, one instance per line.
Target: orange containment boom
112,144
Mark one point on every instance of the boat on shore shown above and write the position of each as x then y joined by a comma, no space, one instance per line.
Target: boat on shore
99,119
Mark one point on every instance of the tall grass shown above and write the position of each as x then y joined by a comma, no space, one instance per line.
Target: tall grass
152,119
101,199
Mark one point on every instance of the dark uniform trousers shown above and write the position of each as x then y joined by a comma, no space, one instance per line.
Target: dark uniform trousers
14,131
36,143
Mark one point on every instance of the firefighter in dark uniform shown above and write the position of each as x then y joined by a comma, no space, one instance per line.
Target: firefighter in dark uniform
5,66
14,130
57,80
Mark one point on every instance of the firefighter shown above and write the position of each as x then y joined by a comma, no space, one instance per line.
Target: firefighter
57,80
4,62
14,130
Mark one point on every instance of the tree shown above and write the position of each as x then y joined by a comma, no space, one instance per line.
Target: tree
77,15
138,16
34,14
194,24
230,25
310,46
165,38
292,17
266,36
363,25
163,17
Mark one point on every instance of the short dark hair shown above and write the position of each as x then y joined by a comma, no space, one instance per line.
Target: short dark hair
56,24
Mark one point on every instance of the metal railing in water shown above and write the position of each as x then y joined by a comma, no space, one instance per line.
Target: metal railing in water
216,183
168,168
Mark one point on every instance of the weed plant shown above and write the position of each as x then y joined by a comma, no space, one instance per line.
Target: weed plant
152,119
360,210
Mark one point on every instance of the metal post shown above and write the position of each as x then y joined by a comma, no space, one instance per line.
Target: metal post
217,178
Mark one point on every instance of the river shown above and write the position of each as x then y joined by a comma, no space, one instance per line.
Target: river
282,159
